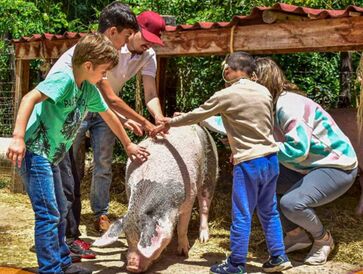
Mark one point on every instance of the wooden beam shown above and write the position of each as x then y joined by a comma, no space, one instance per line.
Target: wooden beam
324,35
271,16
43,49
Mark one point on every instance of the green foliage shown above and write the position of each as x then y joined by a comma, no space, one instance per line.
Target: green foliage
317,74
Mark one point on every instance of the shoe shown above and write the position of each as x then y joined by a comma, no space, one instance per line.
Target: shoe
76,269
277,264
102,223
83,244
320,251
83,253
226,267
76,258
300,241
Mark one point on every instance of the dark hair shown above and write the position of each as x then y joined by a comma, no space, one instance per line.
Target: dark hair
117,15
241,61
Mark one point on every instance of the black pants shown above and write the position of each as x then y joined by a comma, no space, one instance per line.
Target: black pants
71,187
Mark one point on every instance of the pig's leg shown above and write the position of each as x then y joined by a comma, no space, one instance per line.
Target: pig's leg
183,223
360,205
205,195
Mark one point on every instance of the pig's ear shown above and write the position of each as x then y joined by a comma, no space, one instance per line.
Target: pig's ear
153,243
111,235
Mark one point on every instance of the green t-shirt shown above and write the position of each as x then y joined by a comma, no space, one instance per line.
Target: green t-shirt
54,122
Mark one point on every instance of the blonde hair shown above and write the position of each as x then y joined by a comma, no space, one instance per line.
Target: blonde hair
270,75
97,49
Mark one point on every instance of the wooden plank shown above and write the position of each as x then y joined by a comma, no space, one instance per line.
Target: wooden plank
43,49
271,16
324,35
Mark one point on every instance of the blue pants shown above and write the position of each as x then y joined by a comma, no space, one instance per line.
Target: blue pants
44,186
254,186
102,142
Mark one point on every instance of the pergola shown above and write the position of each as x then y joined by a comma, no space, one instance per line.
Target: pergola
279,29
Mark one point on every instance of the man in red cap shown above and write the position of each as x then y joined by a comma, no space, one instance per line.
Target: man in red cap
136,56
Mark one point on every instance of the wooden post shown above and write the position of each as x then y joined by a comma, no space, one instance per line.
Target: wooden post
346,70
21,88
166,85
160,81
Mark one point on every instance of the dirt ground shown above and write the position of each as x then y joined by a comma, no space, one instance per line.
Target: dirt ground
16,236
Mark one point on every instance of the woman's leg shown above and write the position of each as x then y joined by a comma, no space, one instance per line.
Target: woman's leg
317,188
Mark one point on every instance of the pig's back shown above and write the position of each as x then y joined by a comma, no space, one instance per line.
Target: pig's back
178,157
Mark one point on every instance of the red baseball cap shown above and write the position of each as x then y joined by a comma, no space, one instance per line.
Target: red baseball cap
151,25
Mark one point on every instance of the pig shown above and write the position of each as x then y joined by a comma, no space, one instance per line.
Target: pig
161,193
346,119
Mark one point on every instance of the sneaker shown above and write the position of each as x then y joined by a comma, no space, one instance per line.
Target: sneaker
226,267
300,241
76,269
277,264
102,223
320,251
76,258
83,253
83,244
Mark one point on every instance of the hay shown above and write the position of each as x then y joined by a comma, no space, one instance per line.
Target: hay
339,217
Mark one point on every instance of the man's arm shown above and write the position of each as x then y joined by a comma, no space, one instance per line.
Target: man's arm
16,150
119,105
132,150
151,98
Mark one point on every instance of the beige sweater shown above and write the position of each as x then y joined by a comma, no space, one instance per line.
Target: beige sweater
246,110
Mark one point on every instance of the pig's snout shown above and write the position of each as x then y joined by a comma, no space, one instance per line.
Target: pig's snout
136,263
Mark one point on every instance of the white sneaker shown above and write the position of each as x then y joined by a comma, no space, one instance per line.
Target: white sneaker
300,241
320,251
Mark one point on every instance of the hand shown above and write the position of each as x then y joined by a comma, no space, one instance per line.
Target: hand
177,114
16,151
148,127
138,153
134,126
158,122
165,126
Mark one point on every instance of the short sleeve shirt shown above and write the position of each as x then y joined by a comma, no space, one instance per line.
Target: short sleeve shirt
129,65
54,122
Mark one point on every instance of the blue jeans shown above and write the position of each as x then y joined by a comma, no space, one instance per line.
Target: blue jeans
44,186
102,142
254,186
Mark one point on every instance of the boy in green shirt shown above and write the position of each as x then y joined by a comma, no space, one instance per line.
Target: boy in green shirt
46,125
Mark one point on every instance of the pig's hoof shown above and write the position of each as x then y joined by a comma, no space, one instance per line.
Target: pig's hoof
359,209
203,235
183,247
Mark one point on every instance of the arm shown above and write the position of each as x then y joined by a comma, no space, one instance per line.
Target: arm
297,134
16,150
132,150
211,107
119,105
151,98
